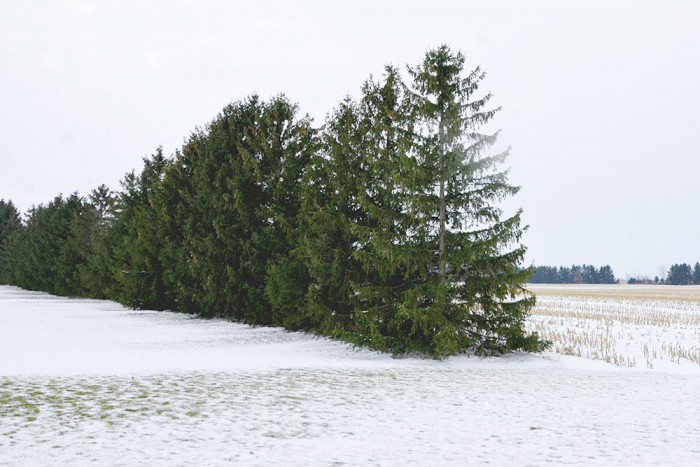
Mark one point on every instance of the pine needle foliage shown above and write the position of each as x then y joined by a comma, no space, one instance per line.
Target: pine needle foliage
479,298
10,233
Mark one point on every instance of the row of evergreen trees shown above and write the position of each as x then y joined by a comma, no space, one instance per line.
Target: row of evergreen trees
683,274
380,228
585,274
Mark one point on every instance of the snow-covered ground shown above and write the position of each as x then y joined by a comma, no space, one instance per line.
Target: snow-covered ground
89,382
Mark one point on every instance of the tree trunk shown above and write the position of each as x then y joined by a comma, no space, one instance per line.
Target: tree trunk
441,165
443,255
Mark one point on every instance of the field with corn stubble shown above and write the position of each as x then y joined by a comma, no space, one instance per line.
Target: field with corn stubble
639,326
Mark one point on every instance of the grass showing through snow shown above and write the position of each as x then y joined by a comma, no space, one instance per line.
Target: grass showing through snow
88,382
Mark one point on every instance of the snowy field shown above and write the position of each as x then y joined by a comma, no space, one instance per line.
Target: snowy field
626,325
89,382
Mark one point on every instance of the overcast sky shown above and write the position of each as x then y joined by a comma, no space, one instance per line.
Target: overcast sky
601,99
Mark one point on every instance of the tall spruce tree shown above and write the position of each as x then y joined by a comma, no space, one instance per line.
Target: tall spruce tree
479,299
394,307
175,202
138,269
696,274
245,173
312,287
436,270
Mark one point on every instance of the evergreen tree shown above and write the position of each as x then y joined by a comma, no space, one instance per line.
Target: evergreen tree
138,270
590,274
437,272
44,255
577,274
564,275
313,288
59,251
479,299
548,275
175,202
75,250
10,226
392,286
606,276
680,274
9,219
246,170
696,274
99,216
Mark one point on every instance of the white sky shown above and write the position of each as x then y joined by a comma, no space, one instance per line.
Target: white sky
600,98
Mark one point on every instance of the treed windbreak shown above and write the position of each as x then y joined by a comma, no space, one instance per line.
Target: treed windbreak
576,274
380,228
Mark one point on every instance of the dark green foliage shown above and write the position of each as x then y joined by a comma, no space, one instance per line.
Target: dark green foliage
585,274
606,275
242,206
314,286
49,252
10,220
393,258
478,300
550,275
138,225
94,229
590,274
696,274
410,247
680,274
174,203
381,229
10,227
642,280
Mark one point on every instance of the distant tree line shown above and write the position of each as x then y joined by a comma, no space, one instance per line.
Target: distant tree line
378,228
585,274
678,274
683,274
645,280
